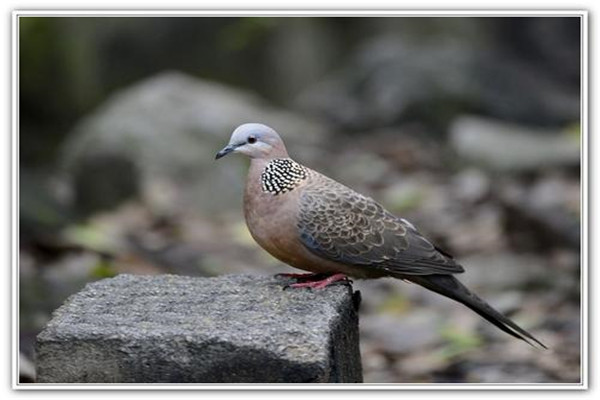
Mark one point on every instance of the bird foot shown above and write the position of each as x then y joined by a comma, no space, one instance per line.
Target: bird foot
321,283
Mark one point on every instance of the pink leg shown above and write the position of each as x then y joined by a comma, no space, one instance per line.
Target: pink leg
320,284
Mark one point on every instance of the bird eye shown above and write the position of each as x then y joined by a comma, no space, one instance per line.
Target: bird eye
251,139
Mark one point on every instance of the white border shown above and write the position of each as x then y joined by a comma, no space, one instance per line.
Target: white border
583,14
301,13
14,203
584,193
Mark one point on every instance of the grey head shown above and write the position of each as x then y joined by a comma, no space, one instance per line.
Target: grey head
256,141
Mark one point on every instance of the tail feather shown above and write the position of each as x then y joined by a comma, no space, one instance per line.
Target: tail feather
449,286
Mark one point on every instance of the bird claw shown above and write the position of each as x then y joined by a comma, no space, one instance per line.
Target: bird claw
342,282
336,279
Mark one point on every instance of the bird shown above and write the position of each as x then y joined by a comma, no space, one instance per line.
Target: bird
314,223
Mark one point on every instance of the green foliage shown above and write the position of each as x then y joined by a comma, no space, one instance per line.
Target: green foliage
57,82
394,304
406,201
37,54
458,342
574,131
245,32
104,269
90,237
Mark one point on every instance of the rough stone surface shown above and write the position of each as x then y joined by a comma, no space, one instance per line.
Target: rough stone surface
168,328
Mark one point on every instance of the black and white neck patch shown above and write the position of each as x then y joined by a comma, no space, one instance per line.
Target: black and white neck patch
282,175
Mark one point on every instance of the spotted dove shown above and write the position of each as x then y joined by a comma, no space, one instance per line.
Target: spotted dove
316,224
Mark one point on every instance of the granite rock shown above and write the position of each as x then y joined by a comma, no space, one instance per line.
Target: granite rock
234,329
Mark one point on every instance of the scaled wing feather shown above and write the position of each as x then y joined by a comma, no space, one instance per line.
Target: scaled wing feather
341,225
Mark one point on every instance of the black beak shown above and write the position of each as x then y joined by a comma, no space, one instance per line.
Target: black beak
226,150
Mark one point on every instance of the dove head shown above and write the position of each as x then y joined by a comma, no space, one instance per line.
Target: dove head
256,141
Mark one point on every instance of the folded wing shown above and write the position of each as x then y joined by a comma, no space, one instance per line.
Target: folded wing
342,225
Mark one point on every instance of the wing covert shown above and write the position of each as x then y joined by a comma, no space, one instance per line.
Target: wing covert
342,225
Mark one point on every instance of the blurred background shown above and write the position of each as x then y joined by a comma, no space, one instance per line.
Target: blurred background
468,127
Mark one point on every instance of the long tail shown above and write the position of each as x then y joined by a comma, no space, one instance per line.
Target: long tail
449,286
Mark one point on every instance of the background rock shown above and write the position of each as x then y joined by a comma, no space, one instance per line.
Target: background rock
157,140
423,76
502,146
